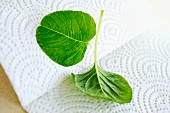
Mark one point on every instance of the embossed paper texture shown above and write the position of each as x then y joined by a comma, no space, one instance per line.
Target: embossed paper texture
144,62
37,80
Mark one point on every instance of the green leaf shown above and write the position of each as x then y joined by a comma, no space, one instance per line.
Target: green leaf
64,36
102,84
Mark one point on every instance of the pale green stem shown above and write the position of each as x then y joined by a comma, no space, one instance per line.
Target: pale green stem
97,35
95,49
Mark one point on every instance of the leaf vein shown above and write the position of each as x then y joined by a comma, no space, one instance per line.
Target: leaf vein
65,35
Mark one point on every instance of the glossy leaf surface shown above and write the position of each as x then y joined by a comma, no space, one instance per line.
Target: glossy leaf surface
64,36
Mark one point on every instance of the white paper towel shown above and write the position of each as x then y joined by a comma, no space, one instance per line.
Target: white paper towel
144,62
30,71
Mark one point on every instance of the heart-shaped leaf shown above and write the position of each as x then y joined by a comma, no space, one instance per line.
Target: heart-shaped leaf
102,84
64,36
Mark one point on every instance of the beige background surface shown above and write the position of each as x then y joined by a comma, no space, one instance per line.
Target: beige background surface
9,102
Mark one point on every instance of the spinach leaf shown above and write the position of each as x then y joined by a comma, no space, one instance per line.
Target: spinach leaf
64,36
102,84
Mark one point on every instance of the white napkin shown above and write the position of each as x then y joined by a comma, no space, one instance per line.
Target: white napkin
30,71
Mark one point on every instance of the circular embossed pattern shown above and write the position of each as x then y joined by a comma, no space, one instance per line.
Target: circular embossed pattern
141,62
31,72
145,63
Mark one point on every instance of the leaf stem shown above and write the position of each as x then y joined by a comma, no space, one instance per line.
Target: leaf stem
97,35
95,49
